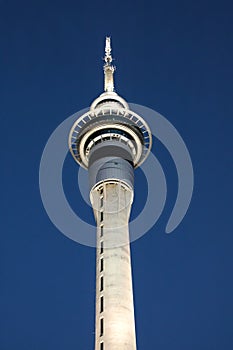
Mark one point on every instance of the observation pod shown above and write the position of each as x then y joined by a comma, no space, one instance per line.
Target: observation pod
110,141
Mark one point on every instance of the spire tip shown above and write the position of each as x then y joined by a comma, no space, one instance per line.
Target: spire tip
108,67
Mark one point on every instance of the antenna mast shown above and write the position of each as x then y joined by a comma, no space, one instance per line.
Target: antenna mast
109,69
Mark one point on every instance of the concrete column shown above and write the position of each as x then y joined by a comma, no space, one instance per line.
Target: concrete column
115,325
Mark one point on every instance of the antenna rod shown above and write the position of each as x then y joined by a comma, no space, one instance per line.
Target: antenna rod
109,69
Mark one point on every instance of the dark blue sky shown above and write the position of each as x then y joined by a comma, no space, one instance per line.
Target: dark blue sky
172,56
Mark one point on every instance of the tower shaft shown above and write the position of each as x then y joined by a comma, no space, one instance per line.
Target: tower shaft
115,325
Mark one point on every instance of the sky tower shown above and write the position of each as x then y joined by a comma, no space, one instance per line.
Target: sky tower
110,141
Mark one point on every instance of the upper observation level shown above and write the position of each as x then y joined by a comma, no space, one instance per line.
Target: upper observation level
111,125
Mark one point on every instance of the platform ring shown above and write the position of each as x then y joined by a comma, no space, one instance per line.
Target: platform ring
134,118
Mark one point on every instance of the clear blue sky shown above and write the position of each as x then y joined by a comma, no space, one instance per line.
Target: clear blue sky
172,56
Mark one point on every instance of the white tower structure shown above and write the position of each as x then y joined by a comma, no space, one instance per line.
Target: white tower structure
110,141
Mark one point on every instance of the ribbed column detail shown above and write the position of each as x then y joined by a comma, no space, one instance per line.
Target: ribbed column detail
115,325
